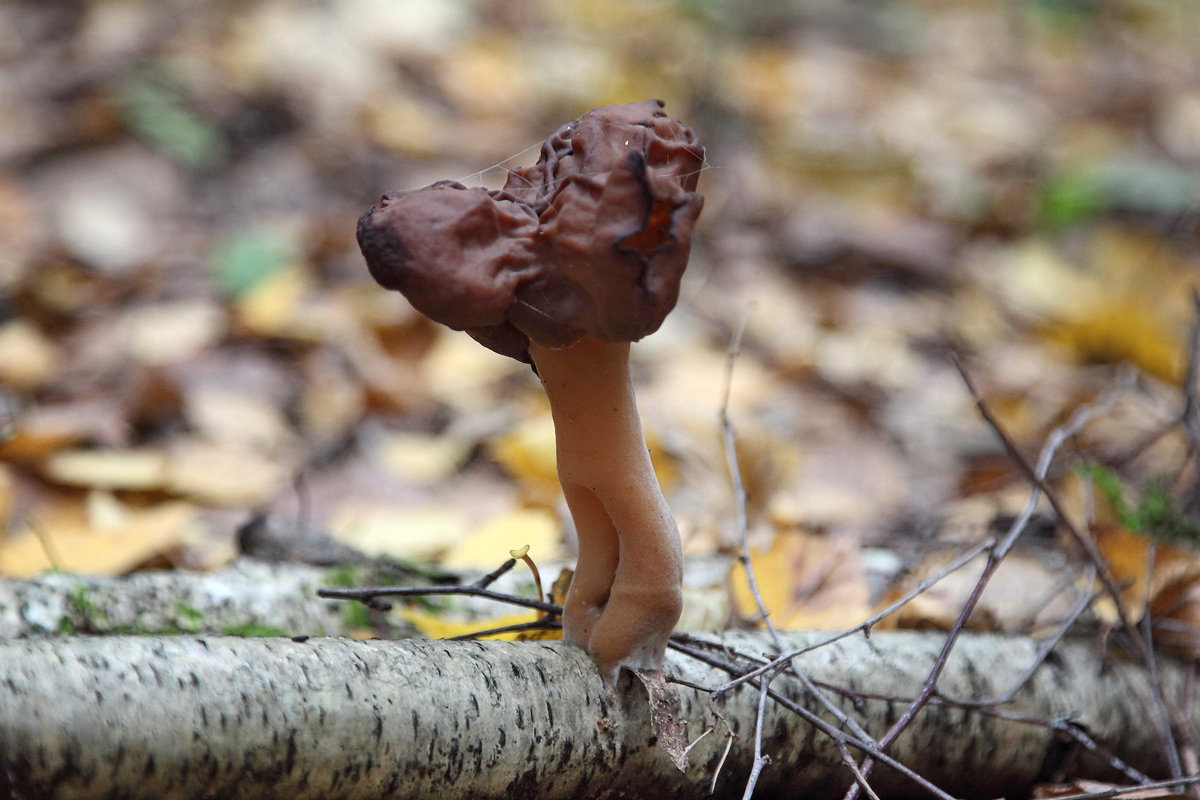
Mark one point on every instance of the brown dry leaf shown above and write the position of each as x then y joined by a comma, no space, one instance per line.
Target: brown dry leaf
96,537
223,474
1049,791
331,402
38,433
164,333
807,582
1027,593
666,715
228,415
1170,591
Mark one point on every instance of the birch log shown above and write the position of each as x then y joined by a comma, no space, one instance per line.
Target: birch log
177,717
246,595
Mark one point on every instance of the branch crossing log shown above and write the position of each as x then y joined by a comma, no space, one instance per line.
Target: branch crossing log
177,717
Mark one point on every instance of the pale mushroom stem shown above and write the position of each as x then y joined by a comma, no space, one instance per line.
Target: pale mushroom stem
625,597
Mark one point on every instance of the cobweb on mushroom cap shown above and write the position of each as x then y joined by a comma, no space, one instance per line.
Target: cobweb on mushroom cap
591,239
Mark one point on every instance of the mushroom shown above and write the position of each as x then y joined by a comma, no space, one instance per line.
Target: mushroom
576,257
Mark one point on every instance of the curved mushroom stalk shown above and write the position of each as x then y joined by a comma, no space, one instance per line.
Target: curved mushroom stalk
626,595
578,255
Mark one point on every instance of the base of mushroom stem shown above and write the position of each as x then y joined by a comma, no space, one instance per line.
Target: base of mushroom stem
630,630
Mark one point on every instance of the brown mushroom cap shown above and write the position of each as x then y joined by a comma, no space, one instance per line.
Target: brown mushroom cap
592,239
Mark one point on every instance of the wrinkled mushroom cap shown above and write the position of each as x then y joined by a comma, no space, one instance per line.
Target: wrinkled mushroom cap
591,239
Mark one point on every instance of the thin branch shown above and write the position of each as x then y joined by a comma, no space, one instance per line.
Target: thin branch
760,760
865,626
544,624
817,722
735,475
1086,598
371,594
1121,791
1038,478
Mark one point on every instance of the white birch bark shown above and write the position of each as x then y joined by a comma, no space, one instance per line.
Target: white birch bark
246,595
176,717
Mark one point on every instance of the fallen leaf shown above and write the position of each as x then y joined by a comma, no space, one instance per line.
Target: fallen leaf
27,358
8,497
441,625
131,470
164,333
527,452
271,306
332,402
223,474
666,715
806,581
398,531
456,367
66,540
421,457
30,436
1099,788
488,545
226,415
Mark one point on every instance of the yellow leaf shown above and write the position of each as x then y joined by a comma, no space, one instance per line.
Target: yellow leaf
398,531
527,452
8,496
237,417
131,470
437,626
807,582
421,457
27,358
456,368
1124,328
271,306
66,540
487,546
1176,570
